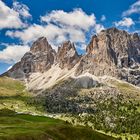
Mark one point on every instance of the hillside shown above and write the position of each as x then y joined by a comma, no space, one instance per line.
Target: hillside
14,126
106,107
14,96
111,107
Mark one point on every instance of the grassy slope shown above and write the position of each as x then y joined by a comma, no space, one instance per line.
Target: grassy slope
13,126
26,127
127,89
14,96
10,87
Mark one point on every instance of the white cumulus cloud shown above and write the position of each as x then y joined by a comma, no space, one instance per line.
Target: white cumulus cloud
76,19
11,17
134,8
125,22
22,9
13,53
59,26
30,34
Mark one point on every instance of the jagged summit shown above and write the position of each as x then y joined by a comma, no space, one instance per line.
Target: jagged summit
112,52
41,45
67,55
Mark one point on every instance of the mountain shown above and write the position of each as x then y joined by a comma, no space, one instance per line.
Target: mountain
99,89
112,52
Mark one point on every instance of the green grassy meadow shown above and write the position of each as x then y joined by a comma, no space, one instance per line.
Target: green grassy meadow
22,126
15,126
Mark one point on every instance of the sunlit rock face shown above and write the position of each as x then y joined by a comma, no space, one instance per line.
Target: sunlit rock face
40,58
43,55
115,53
67,56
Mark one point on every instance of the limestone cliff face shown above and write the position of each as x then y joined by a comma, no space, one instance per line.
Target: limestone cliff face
40,58
43,55
67,56
112,52
115,53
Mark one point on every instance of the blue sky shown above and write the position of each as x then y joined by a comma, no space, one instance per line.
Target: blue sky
23,21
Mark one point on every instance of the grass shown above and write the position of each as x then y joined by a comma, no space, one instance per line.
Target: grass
10,87
127,89
14,96
15,126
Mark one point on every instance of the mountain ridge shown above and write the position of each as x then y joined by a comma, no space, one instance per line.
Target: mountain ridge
112,52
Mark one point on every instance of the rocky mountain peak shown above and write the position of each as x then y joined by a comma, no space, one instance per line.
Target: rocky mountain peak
113,52
40,58
41,45
115,46
93,45
66,47
67,55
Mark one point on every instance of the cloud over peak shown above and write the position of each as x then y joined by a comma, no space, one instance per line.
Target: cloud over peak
59,26
76,19
125,22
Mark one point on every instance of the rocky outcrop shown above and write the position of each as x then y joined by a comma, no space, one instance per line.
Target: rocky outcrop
43,55
41,45
40,58
67,56
85,82
113,52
